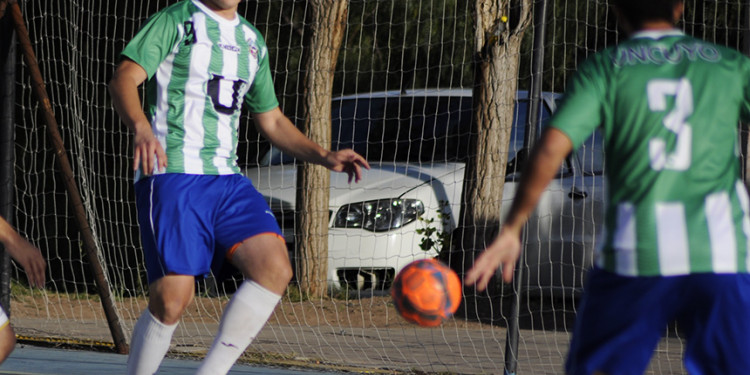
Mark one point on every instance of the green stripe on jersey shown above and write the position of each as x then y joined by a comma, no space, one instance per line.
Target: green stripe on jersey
243,70
176,86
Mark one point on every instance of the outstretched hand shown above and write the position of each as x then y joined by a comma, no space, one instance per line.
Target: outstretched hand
503,251
347,161
30,258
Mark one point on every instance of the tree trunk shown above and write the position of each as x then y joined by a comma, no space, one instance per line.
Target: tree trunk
496,56
325,33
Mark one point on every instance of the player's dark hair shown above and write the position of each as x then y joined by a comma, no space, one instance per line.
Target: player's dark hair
636,12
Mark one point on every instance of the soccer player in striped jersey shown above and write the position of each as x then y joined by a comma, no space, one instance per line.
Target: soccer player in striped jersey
32,261
200,61
677,221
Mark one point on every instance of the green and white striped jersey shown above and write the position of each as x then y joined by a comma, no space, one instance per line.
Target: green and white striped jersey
200,66
668,106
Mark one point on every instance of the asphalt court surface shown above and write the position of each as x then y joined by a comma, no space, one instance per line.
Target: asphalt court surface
30,360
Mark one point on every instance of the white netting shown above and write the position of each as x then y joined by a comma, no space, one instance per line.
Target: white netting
424,46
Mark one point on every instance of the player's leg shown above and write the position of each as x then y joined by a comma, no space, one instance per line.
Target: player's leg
174,215
152,334
715,321
261,255
7,337
619,323
169,296
264,262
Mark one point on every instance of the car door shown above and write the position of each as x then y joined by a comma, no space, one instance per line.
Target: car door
560,235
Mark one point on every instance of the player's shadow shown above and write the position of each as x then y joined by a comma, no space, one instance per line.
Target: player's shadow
538,308
537,311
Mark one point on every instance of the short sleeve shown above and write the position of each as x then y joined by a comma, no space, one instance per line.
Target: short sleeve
153,42
262,96
582,108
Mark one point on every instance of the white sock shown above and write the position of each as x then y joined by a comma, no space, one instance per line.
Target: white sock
149,344
245,315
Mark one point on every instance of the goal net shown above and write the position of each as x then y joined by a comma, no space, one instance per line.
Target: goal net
403,98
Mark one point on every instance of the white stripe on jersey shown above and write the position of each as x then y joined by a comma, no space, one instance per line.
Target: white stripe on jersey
195,99
225,124
721,232
672,239
739,187
624,240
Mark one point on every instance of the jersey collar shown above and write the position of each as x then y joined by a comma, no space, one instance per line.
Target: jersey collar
215,16
657,34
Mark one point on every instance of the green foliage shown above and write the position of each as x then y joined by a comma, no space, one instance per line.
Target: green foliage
574,30
17,289
397,45
388,45
293,294
718,21
577,29
343,294
436,235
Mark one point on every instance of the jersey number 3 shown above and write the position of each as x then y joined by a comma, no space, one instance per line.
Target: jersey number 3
658,90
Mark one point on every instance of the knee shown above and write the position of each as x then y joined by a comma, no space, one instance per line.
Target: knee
264,259
285,272
275,276
169,310
279,271
169,296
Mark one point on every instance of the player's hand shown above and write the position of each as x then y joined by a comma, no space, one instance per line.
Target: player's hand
31,259
503,251
347,161
148,151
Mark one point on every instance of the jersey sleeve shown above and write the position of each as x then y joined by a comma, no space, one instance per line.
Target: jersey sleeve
153,42
582,108
262,96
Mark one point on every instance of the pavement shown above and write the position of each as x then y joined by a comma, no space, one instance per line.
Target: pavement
29,360
330,349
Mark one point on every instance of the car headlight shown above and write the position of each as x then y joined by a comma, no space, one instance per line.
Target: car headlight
379,215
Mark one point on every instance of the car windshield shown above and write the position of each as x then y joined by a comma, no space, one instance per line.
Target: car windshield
421,129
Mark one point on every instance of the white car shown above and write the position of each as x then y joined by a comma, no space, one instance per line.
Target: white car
416,143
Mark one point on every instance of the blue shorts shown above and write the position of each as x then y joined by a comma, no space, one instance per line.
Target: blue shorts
189,223
622,319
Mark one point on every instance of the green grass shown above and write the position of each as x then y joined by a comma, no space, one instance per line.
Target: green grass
18,289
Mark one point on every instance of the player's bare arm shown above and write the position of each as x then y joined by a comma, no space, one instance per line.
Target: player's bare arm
26,254
124,91
278,129
544,163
